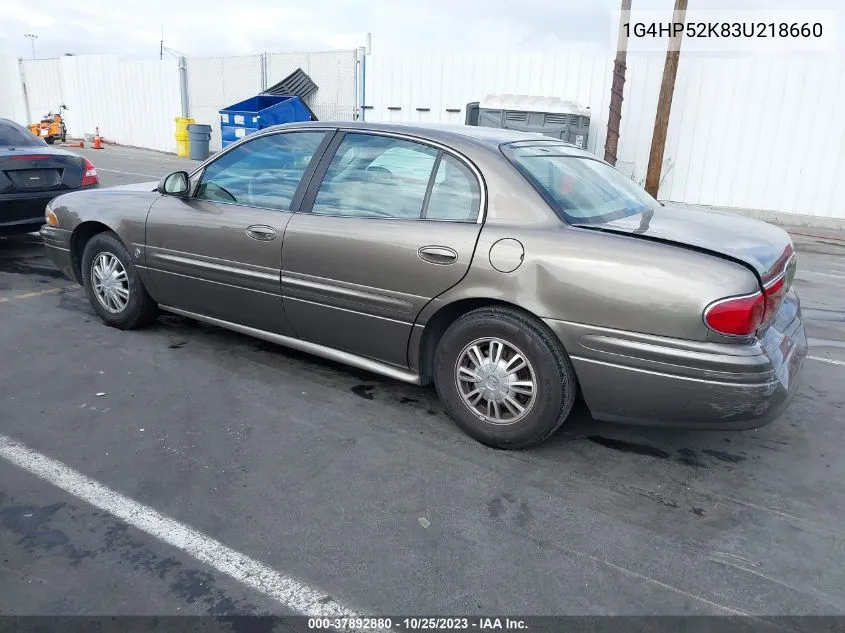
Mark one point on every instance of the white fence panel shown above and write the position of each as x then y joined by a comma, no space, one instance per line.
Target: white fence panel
758,134
744,133
132,102
334,72
436,88
12,104
217,82
44,86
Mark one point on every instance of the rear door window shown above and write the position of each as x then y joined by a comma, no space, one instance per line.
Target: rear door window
376,176
455,194
379,176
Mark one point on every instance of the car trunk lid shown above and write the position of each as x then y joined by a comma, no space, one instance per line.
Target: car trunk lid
764,248
28,169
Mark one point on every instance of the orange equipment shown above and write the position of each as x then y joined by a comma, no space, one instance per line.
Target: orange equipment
98,142
51,127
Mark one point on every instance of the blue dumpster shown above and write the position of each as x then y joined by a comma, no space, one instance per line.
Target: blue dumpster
258,112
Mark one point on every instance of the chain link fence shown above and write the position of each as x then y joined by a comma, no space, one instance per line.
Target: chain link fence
217,82
334,72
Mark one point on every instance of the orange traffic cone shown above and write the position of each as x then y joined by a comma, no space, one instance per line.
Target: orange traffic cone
98,142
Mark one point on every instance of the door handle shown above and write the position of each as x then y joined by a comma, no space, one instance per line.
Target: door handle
261,232
441,255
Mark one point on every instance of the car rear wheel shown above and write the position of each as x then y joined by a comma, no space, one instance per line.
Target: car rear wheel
504,378
113,286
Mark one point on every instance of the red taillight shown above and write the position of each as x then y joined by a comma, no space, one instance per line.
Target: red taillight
736,316
30,157
775,293
90,177
742,316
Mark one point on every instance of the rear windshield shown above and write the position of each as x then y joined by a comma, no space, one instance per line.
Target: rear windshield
581,189
14,135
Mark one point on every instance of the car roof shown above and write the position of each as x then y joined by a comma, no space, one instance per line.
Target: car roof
447,133
11,123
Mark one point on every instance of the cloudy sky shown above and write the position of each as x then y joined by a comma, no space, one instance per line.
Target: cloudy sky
225,27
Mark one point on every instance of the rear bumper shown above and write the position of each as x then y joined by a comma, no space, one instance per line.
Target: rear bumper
22,213
643,379
57,247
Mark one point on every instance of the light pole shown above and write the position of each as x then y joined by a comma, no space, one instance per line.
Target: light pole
32,37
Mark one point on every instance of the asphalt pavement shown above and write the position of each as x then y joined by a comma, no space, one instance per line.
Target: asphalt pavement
362,489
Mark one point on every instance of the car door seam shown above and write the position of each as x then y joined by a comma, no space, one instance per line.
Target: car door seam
436,297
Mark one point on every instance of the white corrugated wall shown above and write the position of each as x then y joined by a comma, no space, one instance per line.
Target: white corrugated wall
136,102
757,133
745,133
12,104
132,102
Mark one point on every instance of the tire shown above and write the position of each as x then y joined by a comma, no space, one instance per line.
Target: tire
548,367
50,140
139,309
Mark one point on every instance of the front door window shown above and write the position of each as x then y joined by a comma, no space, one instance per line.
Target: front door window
262,173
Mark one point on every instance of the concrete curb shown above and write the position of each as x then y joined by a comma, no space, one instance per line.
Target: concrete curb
839,240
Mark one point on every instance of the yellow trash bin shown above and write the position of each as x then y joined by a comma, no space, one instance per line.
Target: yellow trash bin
182,145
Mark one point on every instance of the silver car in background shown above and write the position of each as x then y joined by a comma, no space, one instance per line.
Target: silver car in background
514,271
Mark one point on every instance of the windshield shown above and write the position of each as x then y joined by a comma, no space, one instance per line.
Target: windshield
14,135
581,189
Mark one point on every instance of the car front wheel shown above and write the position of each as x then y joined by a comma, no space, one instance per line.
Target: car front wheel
114,288
504,378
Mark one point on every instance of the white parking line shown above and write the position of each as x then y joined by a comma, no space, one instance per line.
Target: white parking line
813,272
291,593
130,173
827,360
129,153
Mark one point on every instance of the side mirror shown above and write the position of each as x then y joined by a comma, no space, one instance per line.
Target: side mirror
176,184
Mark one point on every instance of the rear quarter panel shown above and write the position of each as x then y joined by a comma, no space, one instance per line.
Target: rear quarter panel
604,280
586,281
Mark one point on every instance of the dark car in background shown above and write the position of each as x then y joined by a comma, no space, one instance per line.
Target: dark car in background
31,174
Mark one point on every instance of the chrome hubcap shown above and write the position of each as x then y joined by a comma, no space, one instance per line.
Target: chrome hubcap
110,283
496,381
